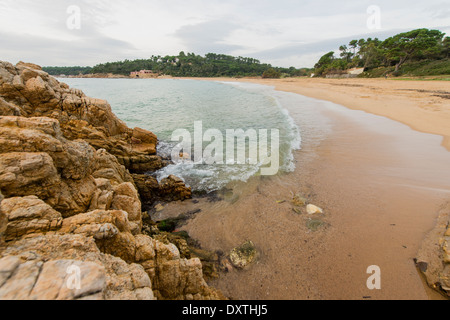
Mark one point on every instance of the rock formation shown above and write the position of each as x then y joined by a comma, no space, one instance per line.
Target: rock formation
27,91
70,212
169,189
433,259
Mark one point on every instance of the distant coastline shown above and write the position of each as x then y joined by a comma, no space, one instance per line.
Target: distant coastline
106,76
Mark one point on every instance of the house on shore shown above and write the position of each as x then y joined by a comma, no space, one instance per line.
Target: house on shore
144,74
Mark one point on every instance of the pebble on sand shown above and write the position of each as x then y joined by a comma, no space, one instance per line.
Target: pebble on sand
312,209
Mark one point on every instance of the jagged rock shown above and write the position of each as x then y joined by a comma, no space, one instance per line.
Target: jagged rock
170,189
147,186
101,199
173,188
28,91
144,141
179,278
127,198
28,215
43,262
141,163
98,224
433,257
36,280
70,200
108,167
35,159
145,248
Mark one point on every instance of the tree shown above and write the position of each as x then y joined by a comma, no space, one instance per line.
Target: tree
324,62
345,53
369,52
353,44
271,73
192,65
404,46
446,47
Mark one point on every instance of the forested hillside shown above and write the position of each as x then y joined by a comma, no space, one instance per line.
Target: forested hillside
188,65
405,53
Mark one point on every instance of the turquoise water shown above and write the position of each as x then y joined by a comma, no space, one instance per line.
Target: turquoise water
163,106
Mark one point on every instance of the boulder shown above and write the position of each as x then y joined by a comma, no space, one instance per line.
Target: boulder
169,189
243,256
173,188
147,186
144,141
28,215
68,267
433,257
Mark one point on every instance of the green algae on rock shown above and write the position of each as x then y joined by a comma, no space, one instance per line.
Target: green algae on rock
244,255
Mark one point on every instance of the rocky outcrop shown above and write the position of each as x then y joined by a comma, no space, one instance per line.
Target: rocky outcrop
433,259
36,159
27,91
27,216
70,213
68,267
169,189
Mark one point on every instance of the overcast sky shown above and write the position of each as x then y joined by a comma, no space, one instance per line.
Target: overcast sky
281,32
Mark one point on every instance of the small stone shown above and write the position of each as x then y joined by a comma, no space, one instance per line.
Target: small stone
244,255
314,225
312,209
159,207
299,201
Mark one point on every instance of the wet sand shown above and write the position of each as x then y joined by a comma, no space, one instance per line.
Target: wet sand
381,185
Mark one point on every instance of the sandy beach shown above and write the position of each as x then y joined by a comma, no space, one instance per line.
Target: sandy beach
380,183
422,105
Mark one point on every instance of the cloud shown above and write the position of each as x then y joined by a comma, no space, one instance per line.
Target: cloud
37,32
292,52
208,37
285,32
47,51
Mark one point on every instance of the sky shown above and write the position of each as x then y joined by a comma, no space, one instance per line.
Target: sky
283,33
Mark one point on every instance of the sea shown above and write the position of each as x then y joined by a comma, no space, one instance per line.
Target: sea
166,106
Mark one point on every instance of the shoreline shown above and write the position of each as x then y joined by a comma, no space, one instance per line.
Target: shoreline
343,183
422,105
367,180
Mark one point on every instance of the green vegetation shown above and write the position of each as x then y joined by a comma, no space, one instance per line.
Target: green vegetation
419,52
68,71
422,68
272,73
188,65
